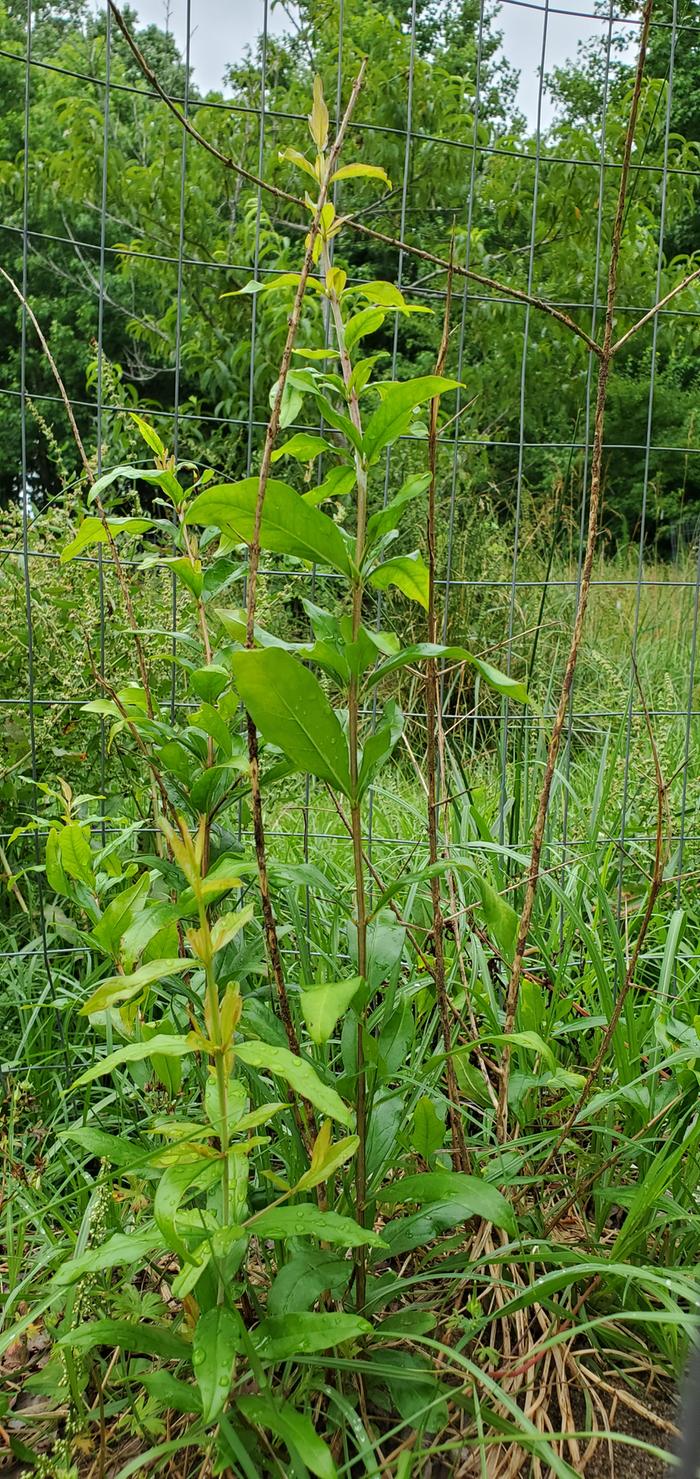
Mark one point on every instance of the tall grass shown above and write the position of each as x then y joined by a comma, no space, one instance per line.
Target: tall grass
599,1290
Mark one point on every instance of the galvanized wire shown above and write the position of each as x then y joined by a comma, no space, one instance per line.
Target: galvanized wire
498,728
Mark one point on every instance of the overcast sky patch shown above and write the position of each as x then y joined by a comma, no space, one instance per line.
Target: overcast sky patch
221,30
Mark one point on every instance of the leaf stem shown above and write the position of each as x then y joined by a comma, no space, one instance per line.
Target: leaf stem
355,804
273,949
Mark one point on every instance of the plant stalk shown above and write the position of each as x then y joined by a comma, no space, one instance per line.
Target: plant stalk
460,1154
214,1027
269,922
355,807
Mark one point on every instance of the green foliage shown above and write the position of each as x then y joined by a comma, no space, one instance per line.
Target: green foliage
216,328
268,1261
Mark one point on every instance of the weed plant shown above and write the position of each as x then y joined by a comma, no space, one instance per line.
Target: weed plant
258,1216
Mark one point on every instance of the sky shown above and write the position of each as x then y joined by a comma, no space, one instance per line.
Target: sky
221,29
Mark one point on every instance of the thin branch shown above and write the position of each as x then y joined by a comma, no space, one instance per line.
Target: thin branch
485,282
187,123
54,371
513,991
657,308
352,221
12,881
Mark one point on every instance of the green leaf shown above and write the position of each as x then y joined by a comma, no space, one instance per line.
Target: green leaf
385,940
54,868
294,1428
412,1387
299,1074
304,447
483,1197
125,988
157,477
285,280
168,1071
218,1339
177,1180
293,156
289,525
289,707
120,914
92,531
386,1122
317,354
428,1132
327,1158
318,117
220,879
121,1248
101,706
209,683
447,1198
421,651
112,1148
367,321
386,295
340,481
291,403
392,416
408,573
188,571
362,372
387,519
169,1392
396,1038
420,1229
149,434
335,418
128,1335
134,1052
228,926
308,1274
359,171
408,1323
210,721
509,687
306,1220
532,1041
322,1006
501,919
302,1334
76,853
380,745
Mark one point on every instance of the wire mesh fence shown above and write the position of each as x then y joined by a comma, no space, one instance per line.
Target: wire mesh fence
514,460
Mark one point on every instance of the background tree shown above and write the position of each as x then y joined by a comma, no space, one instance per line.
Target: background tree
227,232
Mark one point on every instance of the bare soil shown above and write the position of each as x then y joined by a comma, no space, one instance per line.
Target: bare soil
618,1460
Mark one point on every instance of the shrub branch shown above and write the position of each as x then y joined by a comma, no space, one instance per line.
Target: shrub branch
513,992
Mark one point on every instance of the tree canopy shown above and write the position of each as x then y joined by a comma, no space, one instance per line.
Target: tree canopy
172,332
